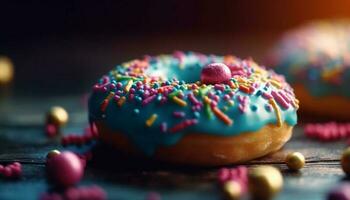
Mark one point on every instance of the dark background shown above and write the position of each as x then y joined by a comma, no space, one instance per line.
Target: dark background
62,47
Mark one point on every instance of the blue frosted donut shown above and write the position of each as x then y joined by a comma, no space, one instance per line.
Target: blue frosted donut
151,105
315,58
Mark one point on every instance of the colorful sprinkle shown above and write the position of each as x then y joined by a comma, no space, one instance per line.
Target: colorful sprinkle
151,120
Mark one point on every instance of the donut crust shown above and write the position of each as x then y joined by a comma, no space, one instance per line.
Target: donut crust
335,107
208,150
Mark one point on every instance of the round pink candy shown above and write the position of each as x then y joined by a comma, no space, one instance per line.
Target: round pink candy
65,169
215,73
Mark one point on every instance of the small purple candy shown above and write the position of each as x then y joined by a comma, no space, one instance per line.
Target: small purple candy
341,192
215,73
65,169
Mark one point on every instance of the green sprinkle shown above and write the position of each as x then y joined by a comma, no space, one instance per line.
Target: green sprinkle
208,111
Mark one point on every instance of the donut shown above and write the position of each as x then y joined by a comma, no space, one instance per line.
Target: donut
193,109
315,58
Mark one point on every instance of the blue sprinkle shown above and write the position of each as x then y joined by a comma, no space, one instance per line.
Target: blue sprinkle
254,108
197,114
136,111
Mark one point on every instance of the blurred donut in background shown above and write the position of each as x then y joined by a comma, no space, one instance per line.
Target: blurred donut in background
315,58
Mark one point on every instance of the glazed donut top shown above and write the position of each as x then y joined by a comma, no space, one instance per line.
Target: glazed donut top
316,55
157,100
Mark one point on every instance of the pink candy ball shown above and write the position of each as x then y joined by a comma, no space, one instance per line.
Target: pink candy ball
215,73
65,169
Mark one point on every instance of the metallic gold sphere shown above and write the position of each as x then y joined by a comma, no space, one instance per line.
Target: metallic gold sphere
232,190
6,70
52,153
295,160
264,182
57,115
345,161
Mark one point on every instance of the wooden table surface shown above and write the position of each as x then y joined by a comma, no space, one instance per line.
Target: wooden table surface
22,119
22,139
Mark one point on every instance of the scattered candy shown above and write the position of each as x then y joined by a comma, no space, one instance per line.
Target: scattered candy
264,182
215,73
345,161
295,161
57,115
65,169
90,134
51,129
52,153
238,174
80,193
327,131
341,192
232,190
6,69
13,170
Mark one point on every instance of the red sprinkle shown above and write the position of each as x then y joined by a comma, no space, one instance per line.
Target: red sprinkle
13,170
238,174
327,131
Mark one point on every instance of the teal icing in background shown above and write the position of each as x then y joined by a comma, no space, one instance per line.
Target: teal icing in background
302,58
125,120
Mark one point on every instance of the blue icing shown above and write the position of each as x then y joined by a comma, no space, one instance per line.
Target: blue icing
306,54
130,118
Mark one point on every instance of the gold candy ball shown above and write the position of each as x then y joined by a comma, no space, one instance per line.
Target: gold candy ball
232,190
264,182
295,160
52,153
57,115
345,161
6,70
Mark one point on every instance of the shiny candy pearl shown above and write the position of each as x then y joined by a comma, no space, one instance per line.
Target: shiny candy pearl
345,161
57,115
52,153
6,69
295,160
232,190
264,182
215,73
65,169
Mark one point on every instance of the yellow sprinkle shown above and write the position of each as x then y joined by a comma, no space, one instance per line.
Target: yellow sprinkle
206,99
179,101
231,103
277,111
196,92
121,101
276,84
151,120
109,97
128,85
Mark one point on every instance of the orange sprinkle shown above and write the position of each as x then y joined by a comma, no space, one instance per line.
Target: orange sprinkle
244,89
128,85
222,116
121,101
277,110
179,101
151,120
232,85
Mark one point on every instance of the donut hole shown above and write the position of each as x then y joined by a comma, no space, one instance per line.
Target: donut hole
188,74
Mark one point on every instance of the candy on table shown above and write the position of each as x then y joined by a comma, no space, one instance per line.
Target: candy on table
90,134
327,131
65,169
345,161
13,170
232,190
295,161
6,69
264,182
57,115
340,192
